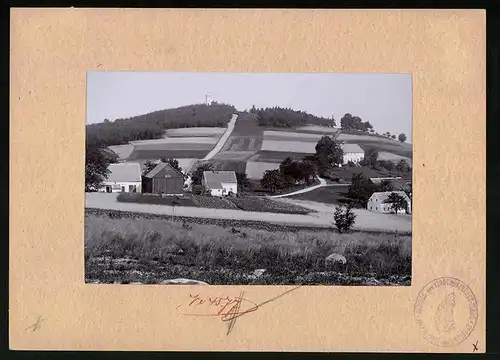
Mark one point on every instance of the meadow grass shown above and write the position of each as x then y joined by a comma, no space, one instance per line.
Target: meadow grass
222,255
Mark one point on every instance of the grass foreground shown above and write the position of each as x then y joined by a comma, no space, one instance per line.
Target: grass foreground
149,251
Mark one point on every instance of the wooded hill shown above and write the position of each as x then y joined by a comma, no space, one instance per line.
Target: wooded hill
154,124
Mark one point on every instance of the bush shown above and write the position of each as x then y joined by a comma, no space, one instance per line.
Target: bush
351,164
344,220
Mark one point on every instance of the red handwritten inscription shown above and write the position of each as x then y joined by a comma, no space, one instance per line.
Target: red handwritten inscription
227,308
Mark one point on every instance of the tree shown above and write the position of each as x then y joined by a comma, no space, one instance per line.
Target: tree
344,219
96,168
291,171
172,162
242,180
349,122
148,166
328,153
408,190
371,156
386,164
197,175
397,202
393,136
360,189
385,185
402,137
272,180
402,167
308,169
334,124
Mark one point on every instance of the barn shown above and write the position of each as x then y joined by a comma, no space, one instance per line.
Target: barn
163,179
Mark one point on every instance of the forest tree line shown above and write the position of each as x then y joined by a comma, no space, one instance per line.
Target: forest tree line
153,125
286,117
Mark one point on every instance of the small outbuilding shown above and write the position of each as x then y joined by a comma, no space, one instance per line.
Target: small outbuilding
163,179
220,183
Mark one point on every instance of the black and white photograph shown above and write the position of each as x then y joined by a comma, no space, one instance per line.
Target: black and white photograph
248,178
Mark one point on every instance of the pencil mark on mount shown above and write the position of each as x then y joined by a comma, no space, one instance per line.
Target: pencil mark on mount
475,346
204,191
37,325
227,308
233,313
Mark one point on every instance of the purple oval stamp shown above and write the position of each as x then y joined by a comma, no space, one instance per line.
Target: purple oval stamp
446,311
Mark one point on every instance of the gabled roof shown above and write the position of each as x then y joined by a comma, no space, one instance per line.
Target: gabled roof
382,196
124,172
215,179
159,168
351,148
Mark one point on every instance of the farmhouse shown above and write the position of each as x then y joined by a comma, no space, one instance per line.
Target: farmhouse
352,152
376,202
163,179
124,177
220,183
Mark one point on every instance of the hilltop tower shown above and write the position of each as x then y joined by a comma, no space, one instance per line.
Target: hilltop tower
208,99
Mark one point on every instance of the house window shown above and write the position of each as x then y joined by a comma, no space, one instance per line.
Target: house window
123,188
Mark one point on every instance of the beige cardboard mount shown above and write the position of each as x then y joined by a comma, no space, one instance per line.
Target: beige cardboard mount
52,49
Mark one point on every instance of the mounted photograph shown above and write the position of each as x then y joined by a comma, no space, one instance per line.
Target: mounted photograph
248,178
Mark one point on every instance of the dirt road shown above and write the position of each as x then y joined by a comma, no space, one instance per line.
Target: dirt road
322,182
366,220
223,139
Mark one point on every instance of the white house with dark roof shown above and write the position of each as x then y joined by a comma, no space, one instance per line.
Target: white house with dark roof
352,152
377,203
220,183
124,177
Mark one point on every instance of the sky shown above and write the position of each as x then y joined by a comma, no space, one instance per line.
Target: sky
385,100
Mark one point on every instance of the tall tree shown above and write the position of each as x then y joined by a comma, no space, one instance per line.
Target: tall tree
272,180
385,185
308,169
402,137
402,167
96,168
328,153
197,175
344,219
242,180
148,166
397,202
360,189
371,157
172,162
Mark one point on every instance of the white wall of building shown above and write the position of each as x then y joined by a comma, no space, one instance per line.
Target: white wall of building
117,186
384,208
230,187
216,192
354,157
226,188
